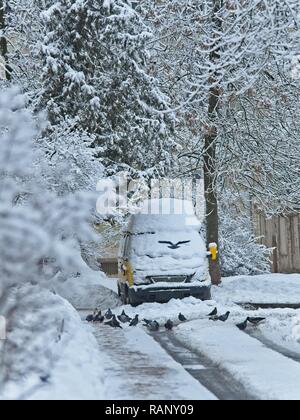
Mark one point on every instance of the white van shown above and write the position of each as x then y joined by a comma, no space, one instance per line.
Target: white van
163,256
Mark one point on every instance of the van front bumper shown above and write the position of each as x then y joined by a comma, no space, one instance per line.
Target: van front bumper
138,295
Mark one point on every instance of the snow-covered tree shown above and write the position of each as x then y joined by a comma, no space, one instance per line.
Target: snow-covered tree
20,36
227,62
68,163
38,230
95,70
5,67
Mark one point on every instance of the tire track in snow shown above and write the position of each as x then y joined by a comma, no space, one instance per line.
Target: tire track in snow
217,381
273,346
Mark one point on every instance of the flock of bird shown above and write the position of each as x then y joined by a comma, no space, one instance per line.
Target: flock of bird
213,316
110,319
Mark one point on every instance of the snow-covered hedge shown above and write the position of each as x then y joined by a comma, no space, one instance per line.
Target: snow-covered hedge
241,252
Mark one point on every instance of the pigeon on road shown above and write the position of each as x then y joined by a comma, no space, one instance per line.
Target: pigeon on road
256,320
214,312
124,318
147,322
99,317
243,325
182,318
153,326
134,322
222,318
91,318
45,379
169,325
109,314
113,323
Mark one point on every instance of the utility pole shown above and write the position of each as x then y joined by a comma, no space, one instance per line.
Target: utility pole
3,40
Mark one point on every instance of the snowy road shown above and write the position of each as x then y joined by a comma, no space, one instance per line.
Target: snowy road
210,375
158,366
201,359
136,367
265,371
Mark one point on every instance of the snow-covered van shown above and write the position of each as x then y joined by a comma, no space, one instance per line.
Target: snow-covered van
163,255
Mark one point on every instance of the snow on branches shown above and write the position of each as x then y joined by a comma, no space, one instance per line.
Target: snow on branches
240,53
39,235
95,69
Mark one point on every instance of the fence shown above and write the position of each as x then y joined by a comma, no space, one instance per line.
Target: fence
109,266
283,234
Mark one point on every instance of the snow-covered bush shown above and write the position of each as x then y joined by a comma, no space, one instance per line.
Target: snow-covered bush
47,351
241,252
38,233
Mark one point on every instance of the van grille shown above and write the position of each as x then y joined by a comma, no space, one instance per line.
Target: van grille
168,279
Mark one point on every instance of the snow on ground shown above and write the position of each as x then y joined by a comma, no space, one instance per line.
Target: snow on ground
267,288
191,307
282,327
262,371
74,367
108,283
139,366
92,289
139,363
99,362
136,367
265,373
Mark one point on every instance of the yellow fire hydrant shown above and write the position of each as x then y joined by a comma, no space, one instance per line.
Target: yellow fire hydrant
128,273
213,251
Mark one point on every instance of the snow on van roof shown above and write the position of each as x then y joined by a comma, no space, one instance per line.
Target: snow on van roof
167,206
164,215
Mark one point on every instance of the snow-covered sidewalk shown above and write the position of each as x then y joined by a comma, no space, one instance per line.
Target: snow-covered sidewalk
265,289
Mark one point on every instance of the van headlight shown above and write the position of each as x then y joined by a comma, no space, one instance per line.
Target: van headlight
190,278
201,278
144,281
147,280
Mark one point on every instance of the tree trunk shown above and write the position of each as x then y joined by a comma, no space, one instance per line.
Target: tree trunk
211,199
3,41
